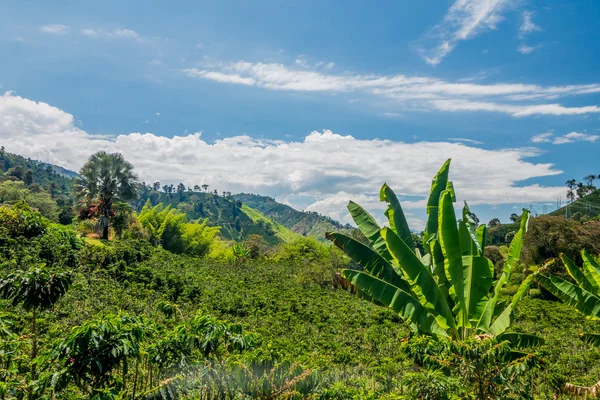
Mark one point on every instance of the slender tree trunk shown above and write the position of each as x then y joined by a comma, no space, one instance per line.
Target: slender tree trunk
105,233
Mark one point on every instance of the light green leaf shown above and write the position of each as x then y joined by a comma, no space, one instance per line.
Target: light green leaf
420,278
583,301
367,258
395,215
369,227
438,185
592,268
450,243
579,276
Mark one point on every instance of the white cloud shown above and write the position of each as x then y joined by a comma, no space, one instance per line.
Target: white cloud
572,137
110,34
465,140
412,92
320,172
464,20
55,29
514,110
527,25
545,137
524,49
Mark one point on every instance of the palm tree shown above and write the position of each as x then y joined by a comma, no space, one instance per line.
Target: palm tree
104,180
36,289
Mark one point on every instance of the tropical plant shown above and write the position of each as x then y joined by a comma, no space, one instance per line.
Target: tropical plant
446,291
90,353
583,294
37,289
104,180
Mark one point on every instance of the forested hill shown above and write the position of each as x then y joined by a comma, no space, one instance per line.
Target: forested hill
237,221
585,207
51,178
304,223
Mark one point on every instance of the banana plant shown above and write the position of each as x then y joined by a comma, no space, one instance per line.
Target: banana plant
447,292
583,294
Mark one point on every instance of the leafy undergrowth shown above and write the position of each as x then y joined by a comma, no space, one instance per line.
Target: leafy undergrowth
350,340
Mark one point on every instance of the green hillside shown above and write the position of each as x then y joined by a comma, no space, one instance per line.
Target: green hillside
586,207
301,222
53,179
237,221
281,231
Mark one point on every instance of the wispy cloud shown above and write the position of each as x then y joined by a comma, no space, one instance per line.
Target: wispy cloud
572,137
115,33
55,29
464,20
465,140
409,92
527,25
320,172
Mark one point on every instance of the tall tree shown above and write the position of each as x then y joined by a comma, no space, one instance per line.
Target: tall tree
104,180
571,183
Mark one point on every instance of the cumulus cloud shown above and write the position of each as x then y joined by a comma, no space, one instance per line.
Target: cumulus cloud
527,25
413,92
464,20
320,172
572,137
54,29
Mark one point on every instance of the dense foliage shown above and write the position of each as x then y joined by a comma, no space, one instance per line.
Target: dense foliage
170,308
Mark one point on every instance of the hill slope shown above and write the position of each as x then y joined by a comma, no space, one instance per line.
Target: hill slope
301,222
588,206
53,179
237,221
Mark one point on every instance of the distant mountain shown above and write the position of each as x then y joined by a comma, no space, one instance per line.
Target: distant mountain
301,222
588,206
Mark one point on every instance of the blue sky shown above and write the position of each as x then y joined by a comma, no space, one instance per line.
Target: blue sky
507,86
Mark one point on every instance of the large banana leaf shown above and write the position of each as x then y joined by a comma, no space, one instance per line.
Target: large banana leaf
583,301
593,270
504,320
437,259
438,185
479,276
369,227
368,259
420,278
450,243
407,306
395,215
514,256
579,276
